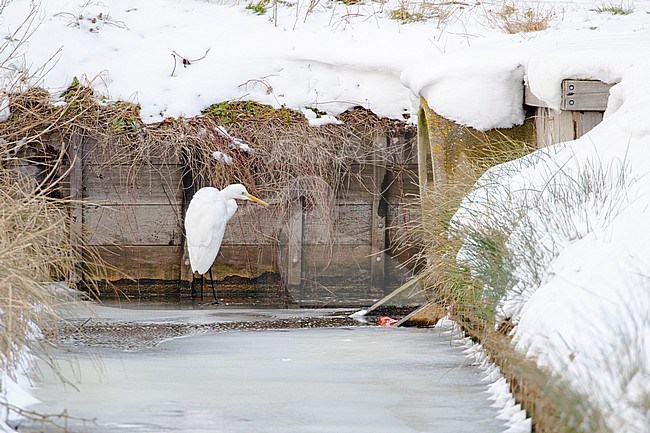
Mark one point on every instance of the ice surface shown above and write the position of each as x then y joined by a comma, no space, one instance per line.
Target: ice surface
310,380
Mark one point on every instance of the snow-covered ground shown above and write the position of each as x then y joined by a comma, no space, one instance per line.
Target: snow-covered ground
584,310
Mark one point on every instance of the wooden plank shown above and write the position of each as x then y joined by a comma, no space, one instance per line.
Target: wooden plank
531,99
144,184
586,121
116,154
585,95
252,225
355,183
351,227
159,262
294,255
427,314
132,225
577,95
378,222
336,261
408,285
246,261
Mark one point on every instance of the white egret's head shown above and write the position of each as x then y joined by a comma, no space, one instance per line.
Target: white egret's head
239,192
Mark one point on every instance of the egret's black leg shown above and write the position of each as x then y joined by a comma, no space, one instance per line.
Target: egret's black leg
201,287
214,292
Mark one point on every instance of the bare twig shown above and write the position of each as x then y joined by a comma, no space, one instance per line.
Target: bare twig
185,61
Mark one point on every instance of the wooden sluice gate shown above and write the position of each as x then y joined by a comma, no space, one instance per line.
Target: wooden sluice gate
130,212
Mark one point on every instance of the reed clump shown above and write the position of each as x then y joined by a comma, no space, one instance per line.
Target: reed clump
38,263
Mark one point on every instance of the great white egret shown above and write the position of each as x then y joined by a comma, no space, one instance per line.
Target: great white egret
205,225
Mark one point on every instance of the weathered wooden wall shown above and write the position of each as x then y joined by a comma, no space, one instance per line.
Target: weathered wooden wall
131,210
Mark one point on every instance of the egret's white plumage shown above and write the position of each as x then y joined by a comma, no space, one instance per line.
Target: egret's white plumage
205,222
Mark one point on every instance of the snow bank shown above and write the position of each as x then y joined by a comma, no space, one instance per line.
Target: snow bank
574,216
177,59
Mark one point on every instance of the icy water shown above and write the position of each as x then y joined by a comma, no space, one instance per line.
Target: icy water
346,379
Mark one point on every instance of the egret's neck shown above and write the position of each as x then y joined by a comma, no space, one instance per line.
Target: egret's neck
231,207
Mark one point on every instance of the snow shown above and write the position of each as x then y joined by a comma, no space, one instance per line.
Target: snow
581,300
14,392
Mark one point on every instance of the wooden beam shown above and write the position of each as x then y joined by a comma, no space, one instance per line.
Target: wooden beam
585,95
409,284
75,156
132,225
150,262
138,184
427,314
294,256
553,126
187,181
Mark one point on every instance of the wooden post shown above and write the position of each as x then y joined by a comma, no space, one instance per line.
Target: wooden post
554,127
424,163
75,156
294,254
186,276
378,220
586,121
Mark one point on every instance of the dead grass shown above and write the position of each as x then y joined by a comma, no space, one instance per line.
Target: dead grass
623,8
415,11
514,18
38,262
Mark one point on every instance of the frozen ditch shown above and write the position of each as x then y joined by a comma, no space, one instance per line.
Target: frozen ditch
337,379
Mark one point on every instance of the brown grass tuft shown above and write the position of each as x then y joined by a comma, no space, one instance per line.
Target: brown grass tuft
517,18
